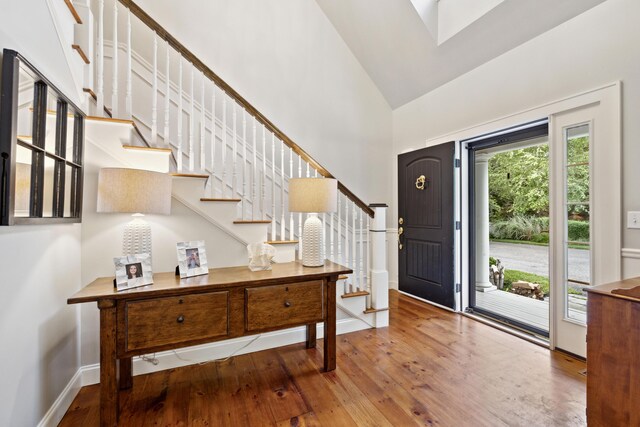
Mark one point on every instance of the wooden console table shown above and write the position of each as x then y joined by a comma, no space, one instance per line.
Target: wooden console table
226,303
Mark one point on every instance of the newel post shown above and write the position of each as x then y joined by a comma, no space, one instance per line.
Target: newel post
379,273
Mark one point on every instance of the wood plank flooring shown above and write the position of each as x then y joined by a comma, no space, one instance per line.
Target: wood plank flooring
429,367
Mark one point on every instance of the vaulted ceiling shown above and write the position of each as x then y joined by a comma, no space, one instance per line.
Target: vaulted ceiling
394,46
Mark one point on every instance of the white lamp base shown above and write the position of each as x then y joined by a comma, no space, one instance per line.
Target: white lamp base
312,244
137,237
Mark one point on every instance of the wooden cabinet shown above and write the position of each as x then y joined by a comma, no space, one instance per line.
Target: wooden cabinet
226,303
613,354
272,307
174,321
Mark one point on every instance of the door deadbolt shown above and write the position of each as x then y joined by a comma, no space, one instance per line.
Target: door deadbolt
401,221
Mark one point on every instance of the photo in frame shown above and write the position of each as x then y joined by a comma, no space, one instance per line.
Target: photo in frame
192,258
133,271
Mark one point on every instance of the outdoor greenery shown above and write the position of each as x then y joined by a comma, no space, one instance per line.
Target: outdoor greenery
511,276
535,229
519,181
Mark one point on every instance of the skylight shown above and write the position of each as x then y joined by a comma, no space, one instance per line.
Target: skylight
446,18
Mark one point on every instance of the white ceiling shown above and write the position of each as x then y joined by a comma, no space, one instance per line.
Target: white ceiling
395,48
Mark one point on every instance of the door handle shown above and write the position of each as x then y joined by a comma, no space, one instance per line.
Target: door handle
400,231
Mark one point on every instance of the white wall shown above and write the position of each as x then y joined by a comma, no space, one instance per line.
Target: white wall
289,62
589,51
40,265
39,332
27,26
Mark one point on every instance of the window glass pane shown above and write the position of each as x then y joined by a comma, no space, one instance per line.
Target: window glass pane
47,208
69,152
68,172
578,226
578,183
52,105
23,182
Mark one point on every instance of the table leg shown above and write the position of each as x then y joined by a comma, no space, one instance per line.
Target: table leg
108,364
126,373
311,335
330,326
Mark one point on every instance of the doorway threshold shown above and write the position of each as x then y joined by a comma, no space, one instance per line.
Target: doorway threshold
510,329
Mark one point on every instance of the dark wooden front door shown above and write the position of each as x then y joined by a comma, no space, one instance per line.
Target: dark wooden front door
426,223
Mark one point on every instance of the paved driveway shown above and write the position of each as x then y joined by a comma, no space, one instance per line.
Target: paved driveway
535,259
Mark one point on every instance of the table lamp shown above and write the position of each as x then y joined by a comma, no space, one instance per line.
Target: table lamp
313,195
134,191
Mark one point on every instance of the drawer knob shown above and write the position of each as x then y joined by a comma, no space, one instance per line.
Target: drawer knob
287,304
180,319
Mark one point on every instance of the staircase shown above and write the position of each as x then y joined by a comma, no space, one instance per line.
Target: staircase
154,105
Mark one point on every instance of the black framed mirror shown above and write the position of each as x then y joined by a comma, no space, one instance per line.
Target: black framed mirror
41,148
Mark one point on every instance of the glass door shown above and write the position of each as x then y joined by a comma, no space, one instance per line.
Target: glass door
572,215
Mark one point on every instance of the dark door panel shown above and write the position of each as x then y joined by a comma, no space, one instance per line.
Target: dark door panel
425,201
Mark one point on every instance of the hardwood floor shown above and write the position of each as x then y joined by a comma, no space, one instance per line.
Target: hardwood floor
429,367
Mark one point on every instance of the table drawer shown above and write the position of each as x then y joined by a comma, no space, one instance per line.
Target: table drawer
174,320
271,307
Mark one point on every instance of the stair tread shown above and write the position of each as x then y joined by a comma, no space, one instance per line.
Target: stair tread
208,199
375,310
261,221
74,12
83,55
281,242
355,294
137,147
190,175
111,120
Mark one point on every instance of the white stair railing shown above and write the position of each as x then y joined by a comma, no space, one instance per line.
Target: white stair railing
245,162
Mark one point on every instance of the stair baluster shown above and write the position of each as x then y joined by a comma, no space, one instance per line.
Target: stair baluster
282,208
346,241
179,158
167,96
244,161
273,187
223,156
291,222
192,160
100,64
300,213
254,167
203,133
263,175
154,94
128,102
114,62
354,266
234,152
214,125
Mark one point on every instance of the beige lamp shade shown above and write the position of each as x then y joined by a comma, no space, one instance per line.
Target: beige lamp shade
313,195
134,191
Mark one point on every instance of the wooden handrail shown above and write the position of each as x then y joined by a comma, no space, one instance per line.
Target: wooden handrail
198,64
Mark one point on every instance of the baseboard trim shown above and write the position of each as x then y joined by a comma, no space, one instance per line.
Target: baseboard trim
63,402
222,349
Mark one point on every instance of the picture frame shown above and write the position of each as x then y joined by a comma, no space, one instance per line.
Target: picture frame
192,258
133,271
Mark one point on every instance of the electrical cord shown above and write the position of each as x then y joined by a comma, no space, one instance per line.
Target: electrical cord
154,361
